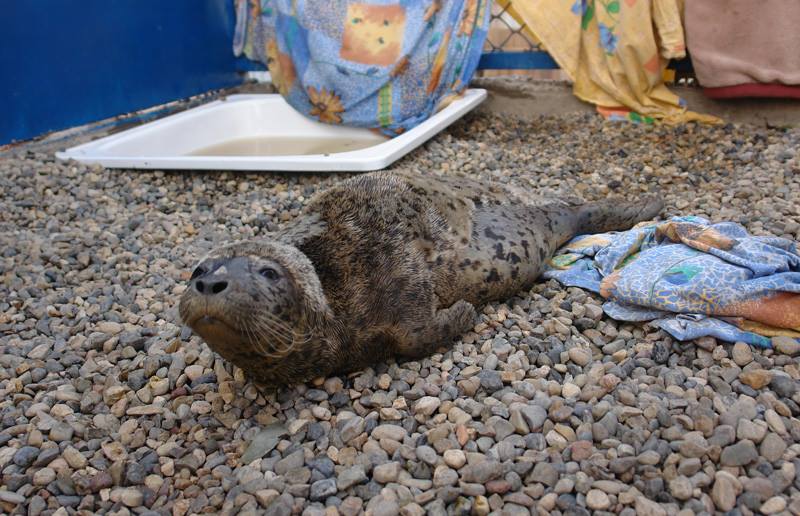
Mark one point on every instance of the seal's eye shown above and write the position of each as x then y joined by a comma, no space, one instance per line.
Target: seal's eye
198,272
269,273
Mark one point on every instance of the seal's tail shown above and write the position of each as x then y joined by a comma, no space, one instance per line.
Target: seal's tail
616,214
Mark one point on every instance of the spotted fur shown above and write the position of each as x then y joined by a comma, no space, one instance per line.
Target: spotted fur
385,264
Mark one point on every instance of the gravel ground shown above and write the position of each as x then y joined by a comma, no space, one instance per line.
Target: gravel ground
547,406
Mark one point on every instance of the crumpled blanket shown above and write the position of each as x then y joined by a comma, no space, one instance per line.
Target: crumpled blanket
690,278
743,46
382,65
614,51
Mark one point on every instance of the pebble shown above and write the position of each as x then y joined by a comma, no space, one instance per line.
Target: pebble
352,428
757,378
10,497
597,500
61,432
741,354
320,490
534,416
263,442
645,507
570,390
490,380
427,405
774,505
427,455
649,457
265,497
772,447
290,462
193,372
481,472
25,456
786,345
44,477
481,506
580,356
774,421
109,405
109,327
784,386
454,458
393,432
681,488
724,491
386,473
444,476
739,454
752,430
544,473
351,476
131,497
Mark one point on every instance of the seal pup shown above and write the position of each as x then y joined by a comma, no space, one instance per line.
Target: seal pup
381,264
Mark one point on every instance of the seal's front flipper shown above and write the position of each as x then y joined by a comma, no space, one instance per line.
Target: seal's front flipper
446,324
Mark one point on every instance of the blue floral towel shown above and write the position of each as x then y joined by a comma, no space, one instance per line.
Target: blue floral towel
386,65
691,278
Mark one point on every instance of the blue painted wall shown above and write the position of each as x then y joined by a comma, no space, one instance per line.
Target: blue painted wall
68,62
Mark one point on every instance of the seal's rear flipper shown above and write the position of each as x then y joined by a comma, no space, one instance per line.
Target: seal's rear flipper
616,214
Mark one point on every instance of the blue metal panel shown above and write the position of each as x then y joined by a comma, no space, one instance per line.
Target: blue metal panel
517,61
245,65
538,60
684,65
68,62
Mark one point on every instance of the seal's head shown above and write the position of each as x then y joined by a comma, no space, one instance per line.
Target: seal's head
251,300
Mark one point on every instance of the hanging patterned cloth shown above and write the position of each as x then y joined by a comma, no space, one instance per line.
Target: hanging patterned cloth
614,52
378,64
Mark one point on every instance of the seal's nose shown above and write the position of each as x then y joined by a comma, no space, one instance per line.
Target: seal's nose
214,277
210,287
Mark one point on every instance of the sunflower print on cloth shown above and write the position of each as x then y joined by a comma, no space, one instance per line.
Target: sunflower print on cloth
326,105
720,280
384,65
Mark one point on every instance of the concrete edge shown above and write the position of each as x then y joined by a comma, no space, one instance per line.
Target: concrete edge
525,98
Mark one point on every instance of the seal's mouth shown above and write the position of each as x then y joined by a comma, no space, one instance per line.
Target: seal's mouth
205,320
215,330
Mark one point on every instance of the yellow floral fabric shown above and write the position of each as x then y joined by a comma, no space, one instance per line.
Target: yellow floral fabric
614,51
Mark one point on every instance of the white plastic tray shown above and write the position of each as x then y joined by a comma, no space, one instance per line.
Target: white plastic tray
169,142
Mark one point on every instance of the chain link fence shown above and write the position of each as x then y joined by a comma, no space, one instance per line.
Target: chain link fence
506,35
